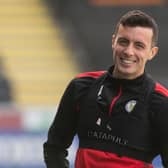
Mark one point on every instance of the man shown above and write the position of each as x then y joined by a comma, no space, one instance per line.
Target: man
119,115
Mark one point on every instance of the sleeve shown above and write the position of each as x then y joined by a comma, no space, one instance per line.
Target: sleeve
160,124
62,131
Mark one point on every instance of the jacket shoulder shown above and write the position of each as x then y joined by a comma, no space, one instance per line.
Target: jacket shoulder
160,89
82,82
159,99
94,74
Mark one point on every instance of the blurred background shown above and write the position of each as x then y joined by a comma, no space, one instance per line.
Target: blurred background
43,45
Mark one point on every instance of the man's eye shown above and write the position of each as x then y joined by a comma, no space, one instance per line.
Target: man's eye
123,42
140,46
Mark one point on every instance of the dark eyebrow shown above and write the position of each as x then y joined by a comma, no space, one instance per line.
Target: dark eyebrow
122,38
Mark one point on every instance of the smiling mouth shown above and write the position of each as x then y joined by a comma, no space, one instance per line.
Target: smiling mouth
127,61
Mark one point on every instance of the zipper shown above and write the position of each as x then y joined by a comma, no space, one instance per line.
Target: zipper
114,100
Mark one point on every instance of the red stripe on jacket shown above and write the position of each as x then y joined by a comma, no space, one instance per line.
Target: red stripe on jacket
161,89
95,74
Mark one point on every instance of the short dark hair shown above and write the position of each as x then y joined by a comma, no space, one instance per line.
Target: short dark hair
138,18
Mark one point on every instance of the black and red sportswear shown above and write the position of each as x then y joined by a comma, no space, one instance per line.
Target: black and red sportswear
120,123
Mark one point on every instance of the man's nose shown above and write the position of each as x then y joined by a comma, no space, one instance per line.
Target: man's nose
129,50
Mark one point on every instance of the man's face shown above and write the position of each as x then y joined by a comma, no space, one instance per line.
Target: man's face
132,48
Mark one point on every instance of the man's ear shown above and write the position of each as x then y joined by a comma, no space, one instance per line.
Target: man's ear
154,52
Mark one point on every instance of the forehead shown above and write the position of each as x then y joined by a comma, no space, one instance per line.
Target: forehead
141,34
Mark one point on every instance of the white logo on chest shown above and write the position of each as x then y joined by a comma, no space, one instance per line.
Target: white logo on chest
130,105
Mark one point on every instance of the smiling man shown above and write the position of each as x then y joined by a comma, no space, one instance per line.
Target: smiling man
133,45
120,115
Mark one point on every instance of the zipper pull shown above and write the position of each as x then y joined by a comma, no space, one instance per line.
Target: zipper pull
100,90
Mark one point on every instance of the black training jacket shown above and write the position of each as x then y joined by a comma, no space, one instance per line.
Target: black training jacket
120,123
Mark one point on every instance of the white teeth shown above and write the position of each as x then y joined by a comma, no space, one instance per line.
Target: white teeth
127,61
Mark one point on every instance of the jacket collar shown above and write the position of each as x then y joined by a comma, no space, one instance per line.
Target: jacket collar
137,81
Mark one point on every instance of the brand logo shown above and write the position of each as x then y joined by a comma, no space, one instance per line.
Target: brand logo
98,122
130,105
98,135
